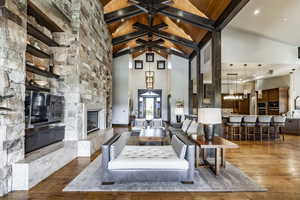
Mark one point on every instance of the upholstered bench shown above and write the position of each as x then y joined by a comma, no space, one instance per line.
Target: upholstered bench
125,163
148,157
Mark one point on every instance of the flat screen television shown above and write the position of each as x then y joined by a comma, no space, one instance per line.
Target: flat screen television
42,108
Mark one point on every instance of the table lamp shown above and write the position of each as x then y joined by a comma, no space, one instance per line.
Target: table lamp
209,117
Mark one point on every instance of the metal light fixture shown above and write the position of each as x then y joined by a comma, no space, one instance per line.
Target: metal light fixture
149,78
233,91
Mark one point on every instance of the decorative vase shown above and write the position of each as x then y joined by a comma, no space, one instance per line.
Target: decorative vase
209,132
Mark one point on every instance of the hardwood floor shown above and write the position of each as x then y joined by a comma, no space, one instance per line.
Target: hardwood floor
275,166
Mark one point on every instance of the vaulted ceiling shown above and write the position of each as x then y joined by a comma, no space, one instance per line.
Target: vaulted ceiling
164,26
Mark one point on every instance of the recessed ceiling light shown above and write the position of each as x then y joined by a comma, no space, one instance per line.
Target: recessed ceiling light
284,19
122,20
178,20
256,12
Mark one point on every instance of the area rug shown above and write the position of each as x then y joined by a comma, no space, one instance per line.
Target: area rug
231,179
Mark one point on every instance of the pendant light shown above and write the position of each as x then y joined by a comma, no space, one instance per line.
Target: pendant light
233,95
149,78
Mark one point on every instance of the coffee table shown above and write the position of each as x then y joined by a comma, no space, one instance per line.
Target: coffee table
219,145
150,136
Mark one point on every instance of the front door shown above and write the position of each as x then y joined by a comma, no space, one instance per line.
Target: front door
149,107
149,104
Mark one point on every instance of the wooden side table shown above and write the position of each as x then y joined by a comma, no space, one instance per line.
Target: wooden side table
219,145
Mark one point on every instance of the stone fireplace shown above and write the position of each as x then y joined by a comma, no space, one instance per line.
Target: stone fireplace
92,121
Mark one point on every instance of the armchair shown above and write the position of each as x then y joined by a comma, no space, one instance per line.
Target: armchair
138,125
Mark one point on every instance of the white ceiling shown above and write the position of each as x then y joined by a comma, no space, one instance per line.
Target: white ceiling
277,19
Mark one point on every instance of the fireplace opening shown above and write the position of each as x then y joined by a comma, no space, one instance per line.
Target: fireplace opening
92,121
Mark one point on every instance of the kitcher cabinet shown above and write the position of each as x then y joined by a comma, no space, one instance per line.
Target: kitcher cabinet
273,101
292,126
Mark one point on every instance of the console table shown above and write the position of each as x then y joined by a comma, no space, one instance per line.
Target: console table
149,136
219,145
152,135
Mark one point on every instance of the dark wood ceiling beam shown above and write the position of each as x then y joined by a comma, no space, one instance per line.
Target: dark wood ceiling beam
128,37
155,42
167,36
140,5
170,51
229,13
154,46
123,13
129,51
135,35
187,17
154,2
151,7
176,14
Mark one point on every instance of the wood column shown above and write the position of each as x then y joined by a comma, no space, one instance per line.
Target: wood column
216,69
190,88
217,74
200,93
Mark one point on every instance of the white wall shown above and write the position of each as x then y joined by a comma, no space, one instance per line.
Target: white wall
120,108
137,81
179,83
244,47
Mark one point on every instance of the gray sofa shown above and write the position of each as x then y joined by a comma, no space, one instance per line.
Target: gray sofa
125,163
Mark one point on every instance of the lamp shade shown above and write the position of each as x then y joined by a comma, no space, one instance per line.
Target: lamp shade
179,111
209,116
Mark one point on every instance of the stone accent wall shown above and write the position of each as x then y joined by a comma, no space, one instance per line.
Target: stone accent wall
95,55
12,69
87,70
84,62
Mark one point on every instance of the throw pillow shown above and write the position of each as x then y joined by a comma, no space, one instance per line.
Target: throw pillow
179,147
185,125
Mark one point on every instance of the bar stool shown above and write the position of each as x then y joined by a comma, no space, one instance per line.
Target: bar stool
278,124
264,123
234,127
250,124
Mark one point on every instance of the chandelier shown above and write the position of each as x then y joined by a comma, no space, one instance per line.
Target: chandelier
149,78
